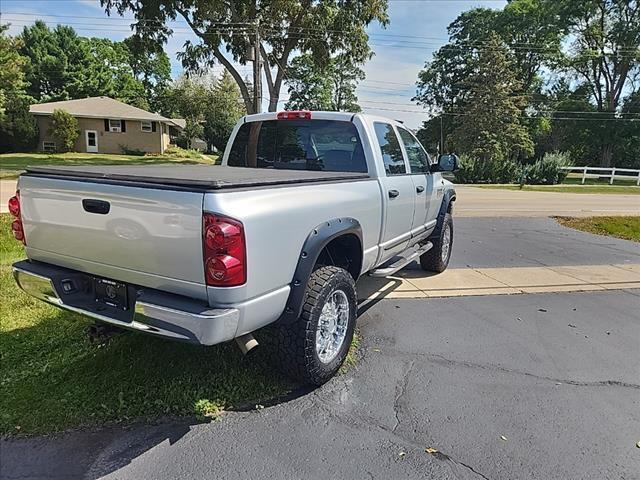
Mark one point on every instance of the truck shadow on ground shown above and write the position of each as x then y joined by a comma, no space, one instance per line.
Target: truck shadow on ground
124,397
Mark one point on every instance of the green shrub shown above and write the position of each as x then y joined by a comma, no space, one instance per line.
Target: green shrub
18,128
473,170
179,152
547,170
132,151
64,129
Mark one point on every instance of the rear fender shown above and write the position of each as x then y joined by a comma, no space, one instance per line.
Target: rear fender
318,238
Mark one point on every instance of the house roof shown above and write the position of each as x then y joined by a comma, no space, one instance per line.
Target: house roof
97,107
179,122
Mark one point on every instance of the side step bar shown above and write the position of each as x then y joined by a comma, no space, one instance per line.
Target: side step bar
402,261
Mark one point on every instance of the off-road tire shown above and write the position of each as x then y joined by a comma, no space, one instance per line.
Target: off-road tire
432,260
294,344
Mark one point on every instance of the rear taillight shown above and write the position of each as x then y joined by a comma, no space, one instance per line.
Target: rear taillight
16,226
224,251
294,114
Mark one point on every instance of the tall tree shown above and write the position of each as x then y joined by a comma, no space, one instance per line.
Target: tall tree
18,129
490,127
331,86
56,57
62,65
190,98
12,72
152,67
604,53
231,29
528,30
225,109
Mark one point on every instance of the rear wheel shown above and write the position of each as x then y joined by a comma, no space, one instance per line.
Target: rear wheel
437,259
312,349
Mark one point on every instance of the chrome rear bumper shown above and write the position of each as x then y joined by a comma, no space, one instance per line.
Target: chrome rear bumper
154,312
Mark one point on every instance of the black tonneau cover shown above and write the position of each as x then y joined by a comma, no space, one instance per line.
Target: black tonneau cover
214,177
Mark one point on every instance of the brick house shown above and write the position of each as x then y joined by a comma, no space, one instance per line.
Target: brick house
106,126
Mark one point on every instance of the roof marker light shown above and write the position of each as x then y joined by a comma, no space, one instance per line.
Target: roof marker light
294,114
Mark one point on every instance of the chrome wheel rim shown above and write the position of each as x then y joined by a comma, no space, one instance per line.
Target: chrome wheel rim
446,243
332,326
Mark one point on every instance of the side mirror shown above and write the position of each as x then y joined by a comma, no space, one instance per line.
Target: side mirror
448,163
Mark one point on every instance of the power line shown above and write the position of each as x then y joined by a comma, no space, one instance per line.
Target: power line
298,31
457,114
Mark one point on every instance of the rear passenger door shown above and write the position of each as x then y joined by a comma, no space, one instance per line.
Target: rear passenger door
422,182
398,191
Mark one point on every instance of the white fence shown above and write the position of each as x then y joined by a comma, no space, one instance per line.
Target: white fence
603,172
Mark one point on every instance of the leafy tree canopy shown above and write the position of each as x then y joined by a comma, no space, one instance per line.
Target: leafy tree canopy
12,71
331,86
321,27
577,64
490,128
62,65
227,107
211,107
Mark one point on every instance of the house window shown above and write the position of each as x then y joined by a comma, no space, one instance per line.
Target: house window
115,125
146,126
49,146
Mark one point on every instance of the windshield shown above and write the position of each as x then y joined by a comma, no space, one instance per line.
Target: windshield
325,145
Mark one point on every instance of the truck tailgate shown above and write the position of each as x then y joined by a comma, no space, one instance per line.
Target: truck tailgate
149,236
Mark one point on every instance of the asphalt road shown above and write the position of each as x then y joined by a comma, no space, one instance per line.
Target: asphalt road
523,386
482,202
530,242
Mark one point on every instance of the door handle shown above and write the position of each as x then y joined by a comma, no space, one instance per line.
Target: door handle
420,188
393,193
96,206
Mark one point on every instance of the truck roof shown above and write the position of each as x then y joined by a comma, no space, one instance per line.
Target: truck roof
315,115
207,177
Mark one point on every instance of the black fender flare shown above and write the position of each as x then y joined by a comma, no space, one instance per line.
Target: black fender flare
317,239
448,197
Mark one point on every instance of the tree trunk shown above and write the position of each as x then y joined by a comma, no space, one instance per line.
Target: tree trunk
607,155
273,102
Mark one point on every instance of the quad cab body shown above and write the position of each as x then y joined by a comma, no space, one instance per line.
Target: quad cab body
303,204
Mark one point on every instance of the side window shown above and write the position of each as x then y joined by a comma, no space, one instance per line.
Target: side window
390,148
418,160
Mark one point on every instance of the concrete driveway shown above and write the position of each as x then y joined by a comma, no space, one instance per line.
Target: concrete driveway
521,386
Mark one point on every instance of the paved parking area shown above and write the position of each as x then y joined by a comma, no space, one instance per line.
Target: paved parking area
524,386
498,256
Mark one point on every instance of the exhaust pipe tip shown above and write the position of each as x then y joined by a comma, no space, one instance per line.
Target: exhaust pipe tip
246,343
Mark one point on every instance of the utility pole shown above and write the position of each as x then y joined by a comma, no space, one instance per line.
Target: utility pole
441,135
257,73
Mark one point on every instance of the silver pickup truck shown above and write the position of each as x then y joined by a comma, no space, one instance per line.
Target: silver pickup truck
303,204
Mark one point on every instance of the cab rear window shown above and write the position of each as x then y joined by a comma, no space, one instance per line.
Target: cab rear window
320,145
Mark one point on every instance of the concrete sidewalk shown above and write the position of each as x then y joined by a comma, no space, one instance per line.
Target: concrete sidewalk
458,282
7,190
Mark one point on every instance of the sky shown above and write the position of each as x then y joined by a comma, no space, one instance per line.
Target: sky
417,28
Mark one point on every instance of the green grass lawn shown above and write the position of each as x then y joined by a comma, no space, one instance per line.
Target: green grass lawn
608,189
11,164
620,227
52,377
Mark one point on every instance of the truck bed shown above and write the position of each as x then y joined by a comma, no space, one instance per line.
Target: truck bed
207,177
